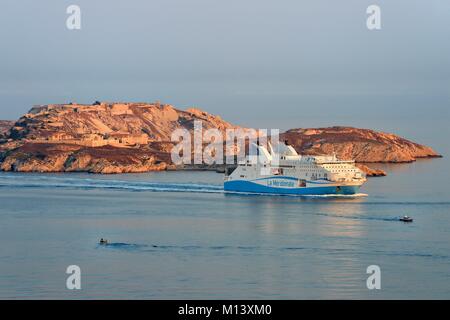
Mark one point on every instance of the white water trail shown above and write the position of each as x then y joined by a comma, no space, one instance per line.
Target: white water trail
46,181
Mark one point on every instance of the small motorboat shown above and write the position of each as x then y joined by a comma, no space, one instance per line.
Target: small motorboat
406,219
103,241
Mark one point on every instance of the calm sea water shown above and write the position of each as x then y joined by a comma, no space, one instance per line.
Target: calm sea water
178,235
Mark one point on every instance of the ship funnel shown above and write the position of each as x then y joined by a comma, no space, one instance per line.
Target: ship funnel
261,156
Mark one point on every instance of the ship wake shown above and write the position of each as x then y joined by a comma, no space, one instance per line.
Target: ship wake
67,182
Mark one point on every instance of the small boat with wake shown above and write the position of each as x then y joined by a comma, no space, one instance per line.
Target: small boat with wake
406,219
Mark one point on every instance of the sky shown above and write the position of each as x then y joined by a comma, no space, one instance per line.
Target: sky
258,63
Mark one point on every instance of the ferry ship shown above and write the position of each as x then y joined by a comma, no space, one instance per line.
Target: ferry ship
287,172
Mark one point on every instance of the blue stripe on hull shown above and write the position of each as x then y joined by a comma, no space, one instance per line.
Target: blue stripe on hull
247,186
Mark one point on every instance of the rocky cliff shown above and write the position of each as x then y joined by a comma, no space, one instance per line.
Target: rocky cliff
362,145
135,137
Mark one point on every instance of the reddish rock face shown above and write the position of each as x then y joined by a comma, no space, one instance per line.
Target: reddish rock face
66,122
99,138
362,145
41,157
370,172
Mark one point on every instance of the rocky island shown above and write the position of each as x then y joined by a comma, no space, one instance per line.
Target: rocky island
362,145
136,137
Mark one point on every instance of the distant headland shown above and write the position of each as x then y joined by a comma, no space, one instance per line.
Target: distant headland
109,137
